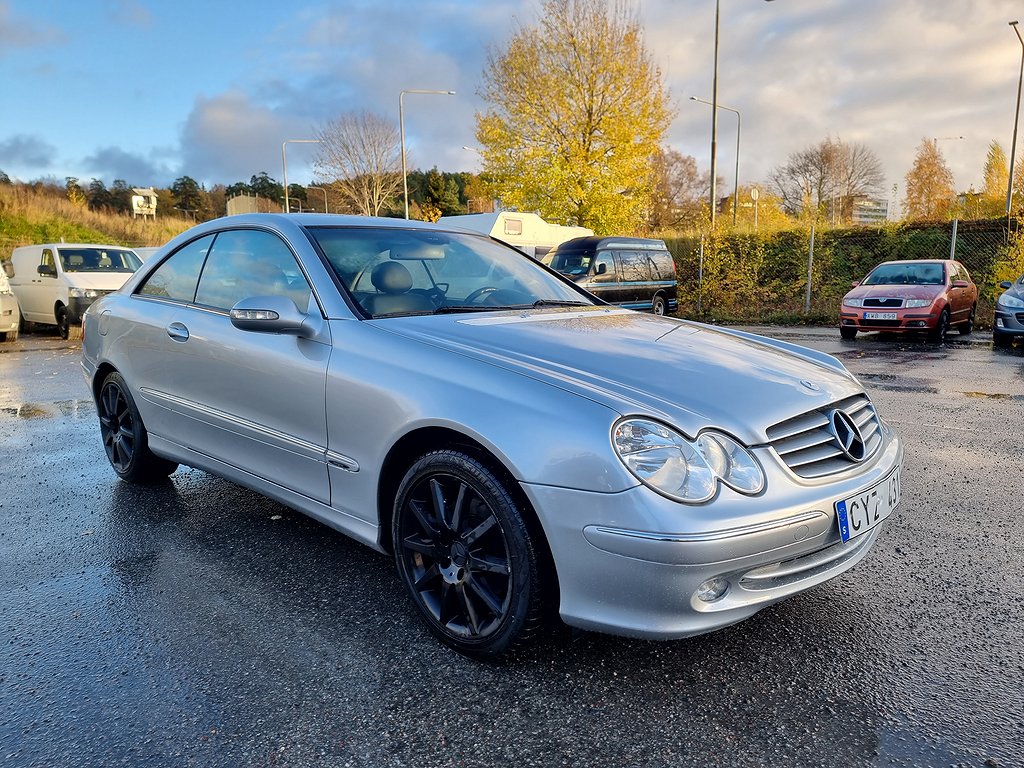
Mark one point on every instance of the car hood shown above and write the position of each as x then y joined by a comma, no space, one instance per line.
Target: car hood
689,375
98,281
895,292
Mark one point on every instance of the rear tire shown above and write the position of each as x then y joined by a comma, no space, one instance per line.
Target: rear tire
125,439
968,327
658,305
848,332
466,556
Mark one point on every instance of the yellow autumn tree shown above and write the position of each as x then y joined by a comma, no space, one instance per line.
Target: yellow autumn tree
997,178
930,193
576,111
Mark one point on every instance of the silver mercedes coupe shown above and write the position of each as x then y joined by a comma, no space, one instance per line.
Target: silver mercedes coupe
519,447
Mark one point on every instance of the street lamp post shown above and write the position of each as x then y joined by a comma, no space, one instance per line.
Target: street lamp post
1016,118
401,127
325,196
284,164
736,179
714,119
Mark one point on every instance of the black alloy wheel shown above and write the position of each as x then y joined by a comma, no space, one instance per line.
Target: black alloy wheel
942,327
124,436
465,555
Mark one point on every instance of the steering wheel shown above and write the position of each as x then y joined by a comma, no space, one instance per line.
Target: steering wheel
479,292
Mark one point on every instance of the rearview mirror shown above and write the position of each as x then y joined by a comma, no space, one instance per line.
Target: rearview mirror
270,314
1006,285
854,283
47,269
960,284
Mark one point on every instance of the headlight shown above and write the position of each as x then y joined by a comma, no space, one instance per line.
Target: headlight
681,469
82,293
919,303
853,302
1006,300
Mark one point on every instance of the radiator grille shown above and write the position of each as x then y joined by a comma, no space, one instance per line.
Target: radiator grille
887,303
809,445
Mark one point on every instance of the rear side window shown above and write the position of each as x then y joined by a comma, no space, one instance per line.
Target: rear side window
176,278
636,267
663,265
250,262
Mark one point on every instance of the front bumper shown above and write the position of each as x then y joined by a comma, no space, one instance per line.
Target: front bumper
630,563
1009,322
77,306
907,320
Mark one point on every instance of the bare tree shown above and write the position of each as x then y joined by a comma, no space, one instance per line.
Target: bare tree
679,190
827,179
360,158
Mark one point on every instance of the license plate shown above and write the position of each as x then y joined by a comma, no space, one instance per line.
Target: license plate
879,315
860,513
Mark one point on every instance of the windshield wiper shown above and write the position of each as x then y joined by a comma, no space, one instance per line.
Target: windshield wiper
452,308
561,303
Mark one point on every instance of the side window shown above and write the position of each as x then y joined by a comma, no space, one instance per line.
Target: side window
249,262
177,276
662,266
47,260
606,258
635,267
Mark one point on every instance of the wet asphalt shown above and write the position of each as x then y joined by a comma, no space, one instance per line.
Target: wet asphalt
198,624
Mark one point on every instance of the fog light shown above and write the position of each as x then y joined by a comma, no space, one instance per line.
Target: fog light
999,322
712,590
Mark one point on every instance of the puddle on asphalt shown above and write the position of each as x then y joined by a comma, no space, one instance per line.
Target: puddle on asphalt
77,409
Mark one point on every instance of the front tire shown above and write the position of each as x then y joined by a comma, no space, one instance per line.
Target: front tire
848,332
1002,339
466,556
125,439
941,328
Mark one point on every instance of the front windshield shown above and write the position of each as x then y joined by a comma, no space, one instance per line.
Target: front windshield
393,271
906,274
573,264
98,260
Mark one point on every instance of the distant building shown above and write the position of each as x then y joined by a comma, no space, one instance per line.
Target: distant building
251,204
143,202
869,212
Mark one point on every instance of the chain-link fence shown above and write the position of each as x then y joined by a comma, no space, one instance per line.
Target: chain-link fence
800,274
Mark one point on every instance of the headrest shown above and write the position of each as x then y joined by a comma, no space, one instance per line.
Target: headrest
391,277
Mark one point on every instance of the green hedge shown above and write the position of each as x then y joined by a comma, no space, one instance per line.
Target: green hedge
763,277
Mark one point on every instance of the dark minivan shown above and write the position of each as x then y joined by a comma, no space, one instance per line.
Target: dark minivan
631,272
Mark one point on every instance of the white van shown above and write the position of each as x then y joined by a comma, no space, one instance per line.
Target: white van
56,283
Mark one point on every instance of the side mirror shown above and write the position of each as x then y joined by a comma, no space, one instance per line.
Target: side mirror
47,269
270,314
855,283
1006,285
960,284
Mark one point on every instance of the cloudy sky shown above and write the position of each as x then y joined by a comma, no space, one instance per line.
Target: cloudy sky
149,90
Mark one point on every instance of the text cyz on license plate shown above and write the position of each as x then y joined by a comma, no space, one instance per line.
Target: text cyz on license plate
859,514
879,315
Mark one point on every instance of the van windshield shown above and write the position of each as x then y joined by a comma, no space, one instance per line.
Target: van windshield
572,264
98,260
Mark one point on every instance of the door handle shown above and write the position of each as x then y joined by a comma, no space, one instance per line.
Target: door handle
177,331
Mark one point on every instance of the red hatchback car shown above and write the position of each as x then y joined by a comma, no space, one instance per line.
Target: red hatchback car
911,296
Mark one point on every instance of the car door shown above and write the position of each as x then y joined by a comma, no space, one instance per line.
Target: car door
603,281
959,298
38,291
253,400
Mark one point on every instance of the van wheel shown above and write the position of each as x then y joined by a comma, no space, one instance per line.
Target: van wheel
62,322
26,326
658,305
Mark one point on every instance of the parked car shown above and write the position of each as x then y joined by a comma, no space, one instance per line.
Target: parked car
630,272
516,444
10,315
1009,317
910,297
55,283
